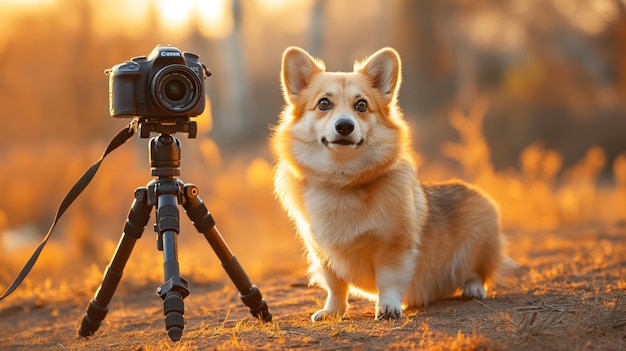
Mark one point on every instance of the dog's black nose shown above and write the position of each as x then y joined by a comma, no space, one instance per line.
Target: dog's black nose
344,126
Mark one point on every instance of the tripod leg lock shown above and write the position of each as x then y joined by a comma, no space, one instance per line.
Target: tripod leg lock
174,283
139,214
196,210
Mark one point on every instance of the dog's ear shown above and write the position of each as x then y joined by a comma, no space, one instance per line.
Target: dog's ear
297,70
383,69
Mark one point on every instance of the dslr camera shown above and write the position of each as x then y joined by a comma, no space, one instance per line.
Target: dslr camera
167,85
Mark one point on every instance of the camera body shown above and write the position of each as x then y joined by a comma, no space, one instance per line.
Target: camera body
166,85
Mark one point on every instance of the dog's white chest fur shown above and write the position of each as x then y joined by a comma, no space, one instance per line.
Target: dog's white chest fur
338,216
337,234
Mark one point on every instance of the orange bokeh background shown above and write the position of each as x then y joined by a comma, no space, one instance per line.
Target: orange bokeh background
524,98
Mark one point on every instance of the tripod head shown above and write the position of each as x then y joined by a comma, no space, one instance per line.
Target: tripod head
144,126
164,154
164,149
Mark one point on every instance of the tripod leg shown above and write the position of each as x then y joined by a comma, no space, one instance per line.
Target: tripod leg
204,223
133,228
175,288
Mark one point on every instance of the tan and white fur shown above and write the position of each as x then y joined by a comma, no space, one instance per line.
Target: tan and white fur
346,176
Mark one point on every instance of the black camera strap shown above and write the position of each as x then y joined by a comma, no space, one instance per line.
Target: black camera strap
121,137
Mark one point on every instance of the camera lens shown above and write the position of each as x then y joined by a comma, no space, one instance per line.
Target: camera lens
176,89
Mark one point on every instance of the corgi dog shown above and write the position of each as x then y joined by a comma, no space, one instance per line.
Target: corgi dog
346,177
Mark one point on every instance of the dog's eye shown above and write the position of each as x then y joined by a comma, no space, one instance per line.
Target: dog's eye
324,104
361,106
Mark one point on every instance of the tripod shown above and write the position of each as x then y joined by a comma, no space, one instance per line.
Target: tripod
165,193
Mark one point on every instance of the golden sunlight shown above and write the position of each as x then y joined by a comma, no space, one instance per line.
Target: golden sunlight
273,6
216,18
590,16
175,14
25,3
109,21
213,18
291,16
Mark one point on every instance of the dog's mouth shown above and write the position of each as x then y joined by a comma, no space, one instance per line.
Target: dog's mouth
342,142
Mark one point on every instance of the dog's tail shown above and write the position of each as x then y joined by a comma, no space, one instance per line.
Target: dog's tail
505,276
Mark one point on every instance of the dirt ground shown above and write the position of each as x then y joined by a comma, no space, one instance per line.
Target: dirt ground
569,293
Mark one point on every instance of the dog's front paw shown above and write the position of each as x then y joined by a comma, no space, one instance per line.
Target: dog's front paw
324,314
388,312
474,289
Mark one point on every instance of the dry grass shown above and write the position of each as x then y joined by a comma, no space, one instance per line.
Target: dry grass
568,296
